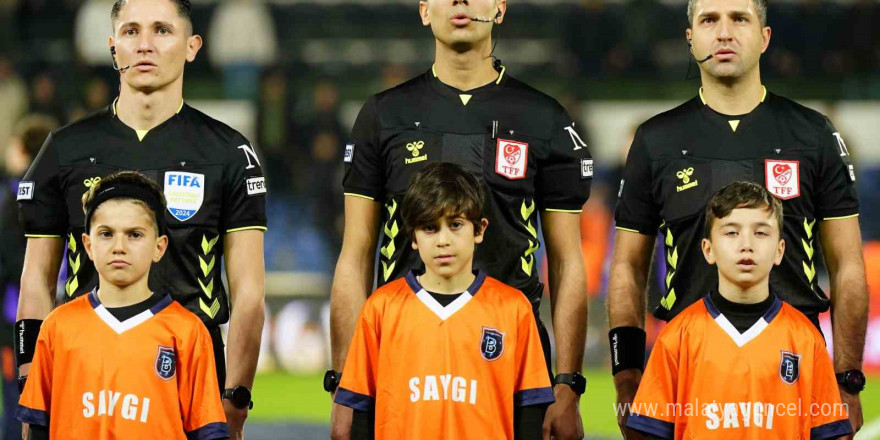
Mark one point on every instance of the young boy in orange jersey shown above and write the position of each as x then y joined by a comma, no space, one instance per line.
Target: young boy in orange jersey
123,362
740,364
448,353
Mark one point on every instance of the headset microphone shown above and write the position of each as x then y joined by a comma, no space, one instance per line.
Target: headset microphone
484,20
708,57
116,66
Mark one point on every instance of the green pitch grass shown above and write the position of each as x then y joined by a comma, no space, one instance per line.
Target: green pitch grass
300,399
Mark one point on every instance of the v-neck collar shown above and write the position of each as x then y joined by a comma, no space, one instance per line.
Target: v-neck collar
433,305
465,97
733,124
140,135
741,339
121,327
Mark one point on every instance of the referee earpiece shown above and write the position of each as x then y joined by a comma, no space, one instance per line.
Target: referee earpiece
115,65
690,45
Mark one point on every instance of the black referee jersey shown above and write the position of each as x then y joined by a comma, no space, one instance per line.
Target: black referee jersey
213,183
520,143
680,158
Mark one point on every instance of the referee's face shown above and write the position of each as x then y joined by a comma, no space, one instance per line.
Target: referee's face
123,243
450,21
155,42
730,31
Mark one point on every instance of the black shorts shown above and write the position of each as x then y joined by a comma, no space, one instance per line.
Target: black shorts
219,356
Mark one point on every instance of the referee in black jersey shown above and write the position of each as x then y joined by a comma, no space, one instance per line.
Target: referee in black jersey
735,130
524,148
211,177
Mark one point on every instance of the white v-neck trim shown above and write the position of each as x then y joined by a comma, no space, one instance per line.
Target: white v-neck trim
741,339
444,312
118,326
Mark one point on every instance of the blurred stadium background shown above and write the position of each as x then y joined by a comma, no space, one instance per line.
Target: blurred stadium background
292,75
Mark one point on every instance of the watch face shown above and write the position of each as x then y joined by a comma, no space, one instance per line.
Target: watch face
241,397
330,381
855,380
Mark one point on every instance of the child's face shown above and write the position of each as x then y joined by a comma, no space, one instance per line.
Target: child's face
745,245
122,242
447,245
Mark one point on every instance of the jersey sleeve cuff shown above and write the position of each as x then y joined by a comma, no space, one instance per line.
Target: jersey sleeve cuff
360,402
32,416
41,236
211,431
650,425
363,193
635,227
245,228
839,215
534,396
831,430
563,206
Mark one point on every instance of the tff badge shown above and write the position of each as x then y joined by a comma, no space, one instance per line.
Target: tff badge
184,193
782,178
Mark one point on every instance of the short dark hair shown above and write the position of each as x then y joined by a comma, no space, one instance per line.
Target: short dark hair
741,195
438,190
133,178
184,10
760,9
32,130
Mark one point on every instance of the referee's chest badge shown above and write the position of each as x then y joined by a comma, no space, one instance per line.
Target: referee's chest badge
511,159
184,193
782,178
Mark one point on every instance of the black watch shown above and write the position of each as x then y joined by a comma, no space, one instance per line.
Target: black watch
576,381
240,397
852,380
331,380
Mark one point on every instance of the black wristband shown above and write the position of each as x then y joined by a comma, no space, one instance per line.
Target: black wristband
24,340
627,348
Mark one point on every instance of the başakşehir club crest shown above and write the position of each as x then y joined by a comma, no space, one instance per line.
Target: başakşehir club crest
789,366
166,363
185,193
782,178
511,159
492,344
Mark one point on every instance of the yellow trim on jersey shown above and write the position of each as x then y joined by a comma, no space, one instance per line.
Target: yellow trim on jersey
41,236
261,228
763,96
501,75
840,218
359,195
141,134
626,229
573,211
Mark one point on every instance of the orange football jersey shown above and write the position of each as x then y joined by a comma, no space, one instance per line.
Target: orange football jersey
452,372
705,379
151,376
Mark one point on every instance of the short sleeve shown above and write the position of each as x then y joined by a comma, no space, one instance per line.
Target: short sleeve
828,418
357,390
656,390
42,209
200,405
532,378
244,189
836,181
637,210
565,172
364,171
36,399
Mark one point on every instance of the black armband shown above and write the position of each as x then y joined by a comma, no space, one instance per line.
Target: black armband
24,340
627,348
